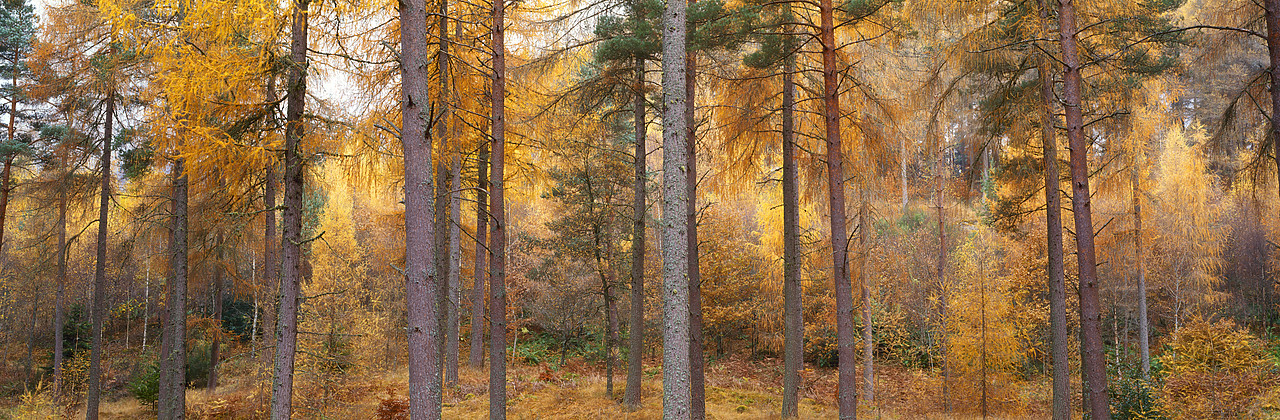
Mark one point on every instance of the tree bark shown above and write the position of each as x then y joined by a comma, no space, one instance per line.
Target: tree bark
172,400
291,258
1272,16
848,397
270,240
59,315
8,164
676,375
1053,235
1093,361
635,343
792,291
868,346
219,286
454,279
697,391
1144,329
477,287
497,205
93,397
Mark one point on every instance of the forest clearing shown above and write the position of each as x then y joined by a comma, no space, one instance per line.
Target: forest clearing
677,209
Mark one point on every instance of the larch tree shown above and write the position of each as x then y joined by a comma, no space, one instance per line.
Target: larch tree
497,208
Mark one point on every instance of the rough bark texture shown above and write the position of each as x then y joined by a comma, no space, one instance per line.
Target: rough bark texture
675,229
93,397
440,216
1093,361
1053,225
454,322
482,251
8,164
421,278
864,247
59,315
697,379
219,278
1272,16
1144,329
291,255
793,334
845,343
172,402
270,240
635,344
498,235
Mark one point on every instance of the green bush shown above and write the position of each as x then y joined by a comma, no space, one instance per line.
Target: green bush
145,386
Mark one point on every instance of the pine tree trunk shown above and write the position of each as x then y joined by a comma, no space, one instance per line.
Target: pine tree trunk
845,343
868,346
6,173
219,279
270,240
59,315
697,391
1053,235
1093,361
792,291
93,397
172,400
1272,16
291,255
1144,329
454,279
635,344
440,216
482,230
676,380
498,238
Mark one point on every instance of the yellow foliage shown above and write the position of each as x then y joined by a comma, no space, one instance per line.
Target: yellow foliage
1214,370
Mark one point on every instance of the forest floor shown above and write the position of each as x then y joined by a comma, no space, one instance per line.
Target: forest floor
736,389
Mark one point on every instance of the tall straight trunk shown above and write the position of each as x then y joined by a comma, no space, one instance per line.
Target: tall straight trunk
454,280
845,343
697,391
1053,235
1144,329
31,335
864,247
611,305
1272,16
219,287
93,397
59,315
440,216
498,235
291,255
635,343
8,164
455,276
172,402
421,277
792,291
1093,361
477,287
676,374
270,240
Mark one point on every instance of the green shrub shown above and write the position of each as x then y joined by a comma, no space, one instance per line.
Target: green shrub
145,386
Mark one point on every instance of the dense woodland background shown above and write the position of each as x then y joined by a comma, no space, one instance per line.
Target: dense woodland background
725,208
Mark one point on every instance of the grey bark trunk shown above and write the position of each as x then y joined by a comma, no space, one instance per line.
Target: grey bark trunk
219,278
1144,332
477,287
454,280
697,391
868,346
172,402
635,344
291,255
497,205
421,278
59,315
1093,361
793,334
1272,16
848,382
270,240
676,375
94,395
1053,235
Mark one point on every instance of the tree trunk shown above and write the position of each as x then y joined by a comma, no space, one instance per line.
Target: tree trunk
440,216
1093,361
59,315
497,205
8,164
291,258
848,397
477,288
1144,329
172,400
1053,225
454,279
635,342
219,286
94,395
697,391
270,240
868,346
676,374
1272,16
942,284
792,291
